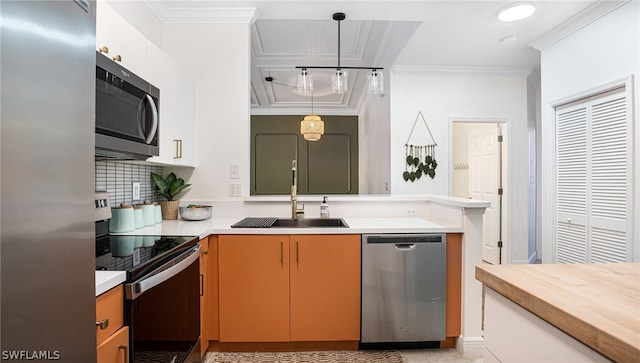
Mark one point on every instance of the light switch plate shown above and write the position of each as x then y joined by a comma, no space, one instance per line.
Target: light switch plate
234,190
234,171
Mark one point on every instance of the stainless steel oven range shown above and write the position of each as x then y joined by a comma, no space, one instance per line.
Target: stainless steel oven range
162,290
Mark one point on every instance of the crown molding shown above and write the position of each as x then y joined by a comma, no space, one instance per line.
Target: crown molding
587,16
202,15
518,71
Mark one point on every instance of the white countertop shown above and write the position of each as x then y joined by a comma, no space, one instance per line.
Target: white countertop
106,280
356,226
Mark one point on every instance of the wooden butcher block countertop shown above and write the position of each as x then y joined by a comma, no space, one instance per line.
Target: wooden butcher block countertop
597,304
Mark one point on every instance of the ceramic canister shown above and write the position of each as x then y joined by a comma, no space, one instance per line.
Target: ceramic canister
138,241
138,215
157,212
122,219
148,214
148,241
122,245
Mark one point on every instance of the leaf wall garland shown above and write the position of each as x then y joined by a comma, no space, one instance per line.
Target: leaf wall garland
420,159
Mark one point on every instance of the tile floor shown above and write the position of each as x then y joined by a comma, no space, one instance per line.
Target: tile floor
436,356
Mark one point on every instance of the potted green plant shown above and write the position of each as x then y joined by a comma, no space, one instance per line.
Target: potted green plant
169,187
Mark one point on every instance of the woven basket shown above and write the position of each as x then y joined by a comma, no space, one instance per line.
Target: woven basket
169,209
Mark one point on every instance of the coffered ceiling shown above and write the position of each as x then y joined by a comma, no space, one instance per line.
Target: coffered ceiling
381,33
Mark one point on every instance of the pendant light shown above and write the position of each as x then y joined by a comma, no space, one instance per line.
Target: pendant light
304,82
376,83
340,77
312,126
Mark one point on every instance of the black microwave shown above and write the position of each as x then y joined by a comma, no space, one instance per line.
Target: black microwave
127,113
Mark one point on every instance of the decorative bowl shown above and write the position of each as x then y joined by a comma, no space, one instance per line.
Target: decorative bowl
196,212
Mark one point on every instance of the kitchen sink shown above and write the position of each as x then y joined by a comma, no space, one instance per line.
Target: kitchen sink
310,223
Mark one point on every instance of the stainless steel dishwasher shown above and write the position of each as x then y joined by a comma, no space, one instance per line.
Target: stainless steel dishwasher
403,290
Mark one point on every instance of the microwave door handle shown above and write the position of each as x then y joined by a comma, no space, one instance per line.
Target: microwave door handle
135,289
154,114
141,117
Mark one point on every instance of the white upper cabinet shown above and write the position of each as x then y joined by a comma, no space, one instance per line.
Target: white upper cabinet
177,109
177,106
121,39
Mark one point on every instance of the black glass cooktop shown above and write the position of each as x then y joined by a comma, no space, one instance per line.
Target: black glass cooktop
138,254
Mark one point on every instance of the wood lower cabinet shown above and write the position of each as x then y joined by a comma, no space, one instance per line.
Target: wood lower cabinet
208,292
280,288
112,338
115,349
254,288
205,312
454,289
325,287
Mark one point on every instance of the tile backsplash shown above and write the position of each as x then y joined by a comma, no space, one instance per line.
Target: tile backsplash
117,178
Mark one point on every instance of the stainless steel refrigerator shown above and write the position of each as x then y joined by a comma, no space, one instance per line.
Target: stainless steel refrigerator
47,237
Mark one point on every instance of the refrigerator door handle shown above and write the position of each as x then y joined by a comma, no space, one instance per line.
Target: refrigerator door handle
135,289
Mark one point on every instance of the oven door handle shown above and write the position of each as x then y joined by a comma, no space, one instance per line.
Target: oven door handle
135,289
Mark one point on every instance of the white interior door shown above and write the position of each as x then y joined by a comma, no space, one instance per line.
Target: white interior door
484,173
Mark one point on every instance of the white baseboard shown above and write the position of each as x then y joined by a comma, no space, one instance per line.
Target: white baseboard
471,347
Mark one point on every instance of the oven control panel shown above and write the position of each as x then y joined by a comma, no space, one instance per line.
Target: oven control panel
102,207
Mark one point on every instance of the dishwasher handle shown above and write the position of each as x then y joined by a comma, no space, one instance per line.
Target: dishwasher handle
404,247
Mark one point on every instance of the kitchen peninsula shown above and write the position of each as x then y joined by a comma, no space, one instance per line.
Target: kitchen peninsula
433,214
562,312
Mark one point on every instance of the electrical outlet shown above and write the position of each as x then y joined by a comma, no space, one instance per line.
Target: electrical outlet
136,190
412,212
234,190
234,171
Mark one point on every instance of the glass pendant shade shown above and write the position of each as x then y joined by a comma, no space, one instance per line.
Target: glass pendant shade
304,82
376,83
312,128
339,80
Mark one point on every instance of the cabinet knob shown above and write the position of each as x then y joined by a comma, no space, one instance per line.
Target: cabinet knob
103,324
117,58
104,49
205,252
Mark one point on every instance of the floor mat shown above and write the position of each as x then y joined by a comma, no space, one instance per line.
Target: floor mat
307,357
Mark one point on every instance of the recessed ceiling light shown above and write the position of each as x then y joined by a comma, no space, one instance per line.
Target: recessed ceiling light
516,11
510,39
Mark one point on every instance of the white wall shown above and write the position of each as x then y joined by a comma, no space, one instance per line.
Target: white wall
605,51
141,17
218,56
444,95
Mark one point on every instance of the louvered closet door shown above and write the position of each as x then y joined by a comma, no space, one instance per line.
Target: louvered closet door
610,180
593,181
571,188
